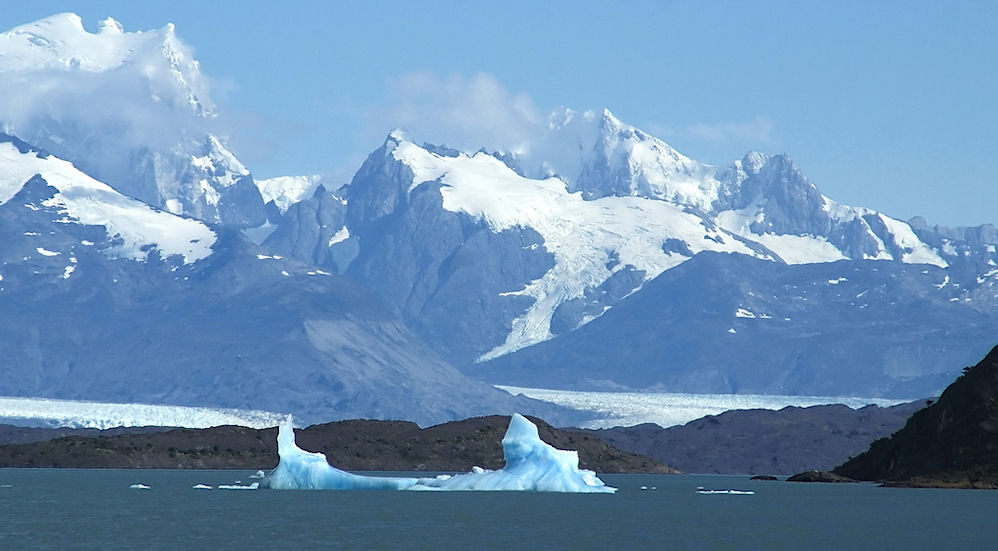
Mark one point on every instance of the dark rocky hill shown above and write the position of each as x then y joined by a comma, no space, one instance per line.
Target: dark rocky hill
760,441
951,443
356,445
13,434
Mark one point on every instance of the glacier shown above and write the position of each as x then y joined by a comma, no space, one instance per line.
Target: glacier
50,412
668,409
531,465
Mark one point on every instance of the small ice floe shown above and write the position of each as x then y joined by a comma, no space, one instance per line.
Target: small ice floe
201,487
727,491
647,488
138,487
252,486
258,474
6,485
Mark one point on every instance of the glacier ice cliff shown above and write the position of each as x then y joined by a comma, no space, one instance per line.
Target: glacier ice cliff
531,465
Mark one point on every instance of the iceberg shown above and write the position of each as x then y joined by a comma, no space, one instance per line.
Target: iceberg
531,465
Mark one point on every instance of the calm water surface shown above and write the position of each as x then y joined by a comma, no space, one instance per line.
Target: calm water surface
95,509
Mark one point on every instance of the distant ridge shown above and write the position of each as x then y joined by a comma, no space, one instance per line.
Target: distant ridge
356,445
761,441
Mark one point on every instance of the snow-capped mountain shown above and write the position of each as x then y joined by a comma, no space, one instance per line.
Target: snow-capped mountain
131,109
105,298
596,154
596,255
487,254
132,229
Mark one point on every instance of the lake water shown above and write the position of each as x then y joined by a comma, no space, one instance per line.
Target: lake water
95,509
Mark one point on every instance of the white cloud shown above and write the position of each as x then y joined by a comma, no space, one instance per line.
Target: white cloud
461,112
130,92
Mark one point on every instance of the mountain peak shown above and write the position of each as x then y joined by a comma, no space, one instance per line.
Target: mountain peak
609,121
397,136
60,42
753,161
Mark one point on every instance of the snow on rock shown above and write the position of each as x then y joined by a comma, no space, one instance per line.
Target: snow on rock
341,234
582,235
531,465
220,162
87,201
915,251
285,191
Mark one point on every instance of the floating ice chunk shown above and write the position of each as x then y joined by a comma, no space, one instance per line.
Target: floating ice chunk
201,487
138,487
726,491
237,486
258,474
531,465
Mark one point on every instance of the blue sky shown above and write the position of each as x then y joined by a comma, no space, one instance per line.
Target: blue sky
888,105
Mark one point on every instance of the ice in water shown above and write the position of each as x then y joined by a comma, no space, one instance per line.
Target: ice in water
531,465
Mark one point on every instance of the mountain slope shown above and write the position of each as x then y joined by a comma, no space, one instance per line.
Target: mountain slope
733,324
105,298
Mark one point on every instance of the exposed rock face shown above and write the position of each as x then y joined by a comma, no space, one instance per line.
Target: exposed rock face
447,274
310,228
953,442
350,445
762,441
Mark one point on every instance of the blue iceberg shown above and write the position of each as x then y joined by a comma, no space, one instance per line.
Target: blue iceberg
531,465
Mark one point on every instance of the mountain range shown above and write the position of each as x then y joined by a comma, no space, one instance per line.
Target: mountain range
142,261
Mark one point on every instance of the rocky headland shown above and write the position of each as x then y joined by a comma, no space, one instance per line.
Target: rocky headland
952,443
